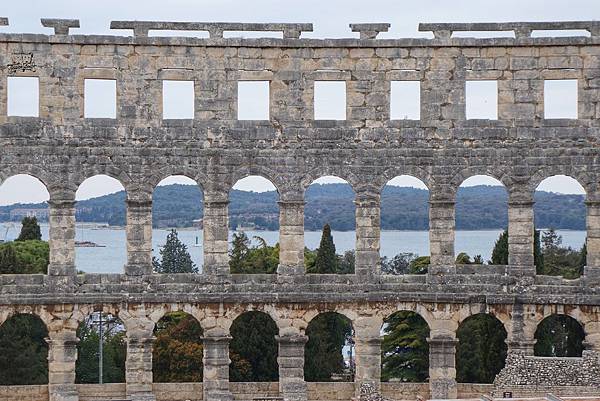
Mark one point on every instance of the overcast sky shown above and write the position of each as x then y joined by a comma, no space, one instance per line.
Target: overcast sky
330,19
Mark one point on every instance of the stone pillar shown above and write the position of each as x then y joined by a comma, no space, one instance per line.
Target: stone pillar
62,355
441,236
138,368
368,234
62,237
292,386
291,237
520,238
518,340
139,237
216,368
216,237
442,367
592,268
368,361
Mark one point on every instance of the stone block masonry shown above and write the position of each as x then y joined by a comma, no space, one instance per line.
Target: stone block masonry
442,148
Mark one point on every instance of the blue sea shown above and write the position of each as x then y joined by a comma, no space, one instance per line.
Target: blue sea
112,257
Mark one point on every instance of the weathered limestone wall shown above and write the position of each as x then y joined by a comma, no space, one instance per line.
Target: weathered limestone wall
442,148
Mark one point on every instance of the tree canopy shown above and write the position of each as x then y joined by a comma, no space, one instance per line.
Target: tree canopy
175,257
30,230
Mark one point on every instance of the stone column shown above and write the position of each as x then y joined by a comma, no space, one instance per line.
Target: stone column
520,238
441,236
292,386
368,361
62,355
442,367
291,237
216,368
592,268
62,237
139,237
367,234
518,340
216,237
138,368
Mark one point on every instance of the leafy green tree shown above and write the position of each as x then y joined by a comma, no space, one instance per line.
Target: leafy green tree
30,230
253,348
24,257
113,355
404,349
346,262
23,351
178,350
175,257
419,265
244,258
500,251
559,336
327,333
481,351
399,264
326,261
559,260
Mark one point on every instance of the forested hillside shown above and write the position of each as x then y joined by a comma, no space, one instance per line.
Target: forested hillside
479,207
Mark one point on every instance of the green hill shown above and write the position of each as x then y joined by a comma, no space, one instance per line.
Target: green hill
478,207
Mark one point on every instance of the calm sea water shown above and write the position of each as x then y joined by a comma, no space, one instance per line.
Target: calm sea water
112,257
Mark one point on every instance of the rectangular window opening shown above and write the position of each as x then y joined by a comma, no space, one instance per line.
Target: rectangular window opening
253,100
560,98
405,100
330,100
481,99
100,98
23,96
178,100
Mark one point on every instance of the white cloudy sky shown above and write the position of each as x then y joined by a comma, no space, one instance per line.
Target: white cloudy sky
330,19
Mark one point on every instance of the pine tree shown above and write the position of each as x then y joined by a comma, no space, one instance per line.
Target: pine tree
238,255
500,251
326,261
404,350
327,334
30,229
175,257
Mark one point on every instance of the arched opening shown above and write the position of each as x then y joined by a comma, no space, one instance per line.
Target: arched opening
329,352
481,349
254,225
100,245
404,226
177,212
177,352
404,348
329,224
253,349
559,336
481,221
23,351
559,215
101,336
24,226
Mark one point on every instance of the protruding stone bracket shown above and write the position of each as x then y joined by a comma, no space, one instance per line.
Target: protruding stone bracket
521,30
370,31
214,29
61,26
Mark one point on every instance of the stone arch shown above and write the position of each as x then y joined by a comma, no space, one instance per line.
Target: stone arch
559,335
156,177
328,334
585,179
498,173
253,349
276,179
89,171
177,337
47,178
397,171
324,171
405,350
482,348
25,350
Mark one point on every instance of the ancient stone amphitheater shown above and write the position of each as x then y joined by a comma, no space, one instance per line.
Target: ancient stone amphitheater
442,148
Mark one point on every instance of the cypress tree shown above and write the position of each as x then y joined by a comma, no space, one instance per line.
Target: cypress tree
326,261
8,259
500,251
175,257
30,229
